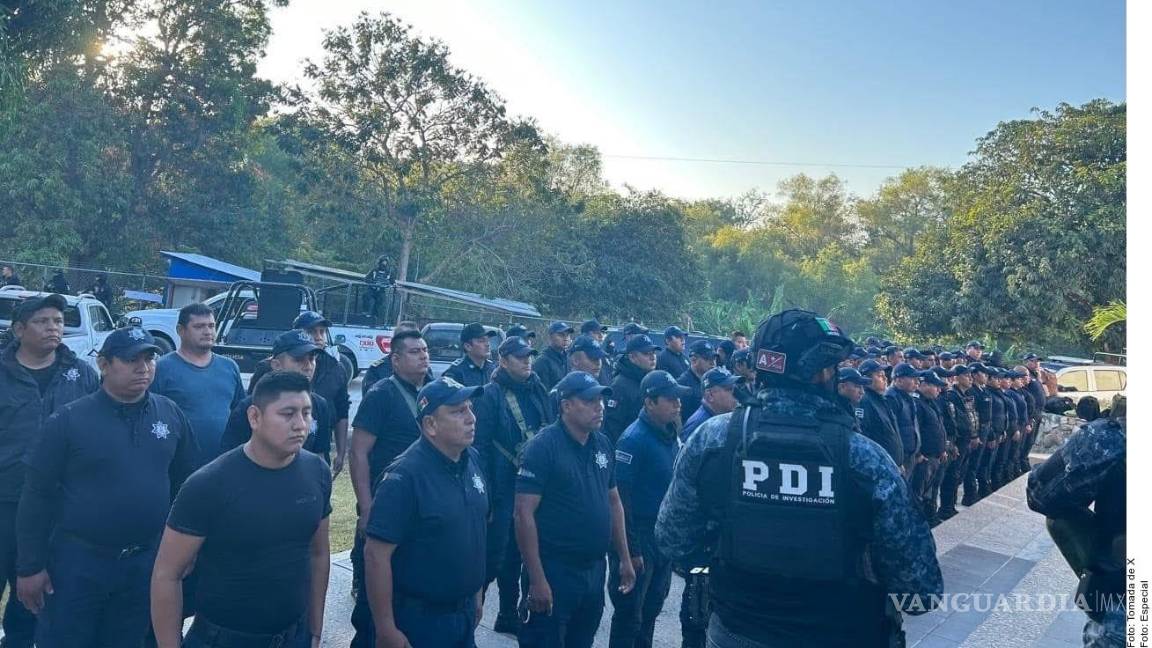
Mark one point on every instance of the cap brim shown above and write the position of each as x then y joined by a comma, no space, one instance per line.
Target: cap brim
730,381
863,382
595,354
302,350
461,395
679,391
592,393
520,353
132,352
647,349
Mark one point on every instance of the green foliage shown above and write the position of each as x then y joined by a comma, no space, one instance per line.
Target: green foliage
1105,317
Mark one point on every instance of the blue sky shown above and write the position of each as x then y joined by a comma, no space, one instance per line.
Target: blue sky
852,83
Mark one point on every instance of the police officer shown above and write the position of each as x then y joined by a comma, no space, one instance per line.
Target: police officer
934,444
1036,389
594,329
100,479
1010,458
624,402
850,385
1090,470
552,364
893,355
8,277
511,410
588,356
878,422
382,368
262,560
672,359
947,360
961,401
724,352
1021,380
644,457
983,403
38,376
426,534
385,426
520,331
974,351
743,366
719,398
475,367
629,331
997,428
568,515
703,358
739,338
777,560
58,284
905,379
913,357
1015,412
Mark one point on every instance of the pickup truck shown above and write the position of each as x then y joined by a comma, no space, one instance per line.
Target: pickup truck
358,346
86,320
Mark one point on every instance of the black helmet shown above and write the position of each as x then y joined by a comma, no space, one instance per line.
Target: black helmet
796,344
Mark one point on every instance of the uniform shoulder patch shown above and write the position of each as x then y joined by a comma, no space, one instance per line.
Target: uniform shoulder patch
611,403
524,472
623,457
771,361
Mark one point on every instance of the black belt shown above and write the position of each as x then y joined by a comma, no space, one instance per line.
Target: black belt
434,607
220,637
118,553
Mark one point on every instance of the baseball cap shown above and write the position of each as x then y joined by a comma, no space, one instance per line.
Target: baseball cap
582,385
942,372
743,356
930,378
890,349
961,370
979,367
702,348
868,367
515,346
913,353
310,319
945,355
905,370
719,377
518,330
858,352
1031,356
850,375
295,343
589,346
592,325
29,306
473,331
974,343
661,383
640,343
127,343
443,391
674,331
632,328
728,346
560,327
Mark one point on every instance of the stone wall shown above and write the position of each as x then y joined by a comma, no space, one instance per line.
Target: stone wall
1054,431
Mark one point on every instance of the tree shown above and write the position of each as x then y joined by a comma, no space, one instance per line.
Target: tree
902,209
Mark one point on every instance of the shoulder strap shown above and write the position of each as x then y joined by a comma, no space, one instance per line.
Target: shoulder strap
408,398
526,433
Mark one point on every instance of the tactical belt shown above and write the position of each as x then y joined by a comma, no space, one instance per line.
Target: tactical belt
525,431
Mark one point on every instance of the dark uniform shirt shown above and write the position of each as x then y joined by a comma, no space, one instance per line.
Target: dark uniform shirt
573,519
319,440
644,458
551,365
903,407
697,419
435,511
329,380
932,433
107,470
625,403
672,362
465,372
983,403
879,424
386,414
963,414
499,435
380,370
690,403
253,569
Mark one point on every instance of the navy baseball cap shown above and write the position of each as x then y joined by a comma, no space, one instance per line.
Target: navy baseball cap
979,367
674,331
702,348
728,346
719,377
515,346
632,328
582,385
443,391
850,375
961,370
589,346
640,344
858,352
310,319
930,378
560,327
905,370
129,342
875,351
890,349
868,367
518,330
942,372
1031,356
29,306
974,343
591,326
474,331
743,356
295,343
661,383
913,353
945,355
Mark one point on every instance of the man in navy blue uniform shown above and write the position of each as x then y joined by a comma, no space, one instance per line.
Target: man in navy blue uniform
426,535
475,367
588,356
793,504
568,515
38,376
644,457
625,401
905,379
719,398
594,329
382,368
552,363
512,409
673,359
962,403
934,444
702,358
262,559
99,484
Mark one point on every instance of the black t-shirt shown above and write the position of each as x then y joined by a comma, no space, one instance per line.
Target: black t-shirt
573,519
43,377
435,511
386,414
257,524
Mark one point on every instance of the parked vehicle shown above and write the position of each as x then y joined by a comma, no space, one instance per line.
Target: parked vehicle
1100,381
86,320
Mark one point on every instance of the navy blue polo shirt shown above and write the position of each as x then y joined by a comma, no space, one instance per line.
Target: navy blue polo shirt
386,414
465,372
435,511
644,458
573,520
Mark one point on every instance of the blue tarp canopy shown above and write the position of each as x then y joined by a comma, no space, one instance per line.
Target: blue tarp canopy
197,267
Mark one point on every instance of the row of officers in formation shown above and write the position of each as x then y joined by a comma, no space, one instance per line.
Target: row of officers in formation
159,489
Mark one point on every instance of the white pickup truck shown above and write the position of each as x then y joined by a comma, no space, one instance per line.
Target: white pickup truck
86,320
358,346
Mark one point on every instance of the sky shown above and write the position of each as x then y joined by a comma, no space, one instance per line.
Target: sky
859,89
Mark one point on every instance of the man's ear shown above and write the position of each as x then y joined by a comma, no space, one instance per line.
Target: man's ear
254,415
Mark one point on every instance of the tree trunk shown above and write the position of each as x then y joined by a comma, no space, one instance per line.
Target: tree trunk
405,250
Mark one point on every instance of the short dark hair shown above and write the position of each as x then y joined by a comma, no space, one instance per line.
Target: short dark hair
195,309
407,325
275,383
738,333
406,334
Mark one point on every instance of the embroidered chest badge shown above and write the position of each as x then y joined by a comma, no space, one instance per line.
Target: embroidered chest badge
160,430
478,483
72,375
601,460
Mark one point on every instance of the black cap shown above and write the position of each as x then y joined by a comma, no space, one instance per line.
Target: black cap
979,367
930,378
1031,356
641,344
632,328
905,370
661,383
582,385
728,347
515,346
560,327
591,326
674,331
942,372
29,306
743,356
945,355
850,375
961,370
518,330
310,319
858,353
127,343
443,391
295,343
719,377
474,331
912,353
587,345
890,349
974,343
702,348
868,367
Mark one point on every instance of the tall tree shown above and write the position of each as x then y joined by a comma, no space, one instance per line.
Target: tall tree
902,209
